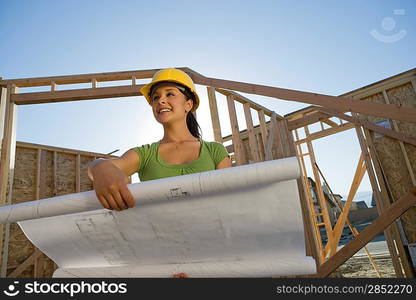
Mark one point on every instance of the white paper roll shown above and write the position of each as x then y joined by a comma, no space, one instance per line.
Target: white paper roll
154,191
236,222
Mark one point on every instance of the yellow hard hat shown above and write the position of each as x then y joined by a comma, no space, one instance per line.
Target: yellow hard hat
171,75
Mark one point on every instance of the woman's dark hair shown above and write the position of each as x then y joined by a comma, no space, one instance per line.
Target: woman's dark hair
193,125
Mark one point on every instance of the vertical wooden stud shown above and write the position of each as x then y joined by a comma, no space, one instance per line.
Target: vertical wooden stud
251,136
238,145
216,127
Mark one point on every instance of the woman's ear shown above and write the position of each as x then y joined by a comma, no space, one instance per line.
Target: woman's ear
189,105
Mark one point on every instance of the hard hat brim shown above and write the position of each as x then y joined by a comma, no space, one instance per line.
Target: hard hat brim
145,90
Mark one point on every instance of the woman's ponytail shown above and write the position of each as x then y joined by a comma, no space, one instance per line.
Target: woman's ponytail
193,125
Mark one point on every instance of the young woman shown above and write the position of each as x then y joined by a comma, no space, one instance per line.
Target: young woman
173,97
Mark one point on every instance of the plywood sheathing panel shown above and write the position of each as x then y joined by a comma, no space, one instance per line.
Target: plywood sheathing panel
65,175
86,184
405,96
24,189
391,156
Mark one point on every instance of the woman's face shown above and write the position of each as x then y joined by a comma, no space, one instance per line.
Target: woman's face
169,104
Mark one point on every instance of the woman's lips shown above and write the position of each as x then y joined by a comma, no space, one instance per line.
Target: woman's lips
161,112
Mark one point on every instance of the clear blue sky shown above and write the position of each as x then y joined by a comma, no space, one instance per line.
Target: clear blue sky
318,46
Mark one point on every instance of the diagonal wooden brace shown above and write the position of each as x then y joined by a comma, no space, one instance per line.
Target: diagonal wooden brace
371,231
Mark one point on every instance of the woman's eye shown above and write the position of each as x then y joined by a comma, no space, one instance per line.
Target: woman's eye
157,97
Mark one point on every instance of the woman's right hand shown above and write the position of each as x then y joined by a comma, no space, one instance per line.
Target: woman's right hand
110,185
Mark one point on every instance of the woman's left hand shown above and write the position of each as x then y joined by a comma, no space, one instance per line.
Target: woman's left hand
180,275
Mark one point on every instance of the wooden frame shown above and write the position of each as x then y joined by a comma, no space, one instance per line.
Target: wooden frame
337,103
277,131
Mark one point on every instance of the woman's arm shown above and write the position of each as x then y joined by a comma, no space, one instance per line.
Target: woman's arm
110,180
225,163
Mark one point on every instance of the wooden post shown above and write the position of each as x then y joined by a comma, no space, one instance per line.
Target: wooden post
4,99
55,170
39,260
277,137
313,245
263,129
270,138
53,86
320,193
393,231
251,136
378,197
37,178
240,158
308,198
7,170
413,81
78,173
322,125
284,138
39,264
259,145
3,105
216,127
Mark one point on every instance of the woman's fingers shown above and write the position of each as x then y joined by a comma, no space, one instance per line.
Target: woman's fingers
127,196
113,203
119,200
180,275
115,196
103,202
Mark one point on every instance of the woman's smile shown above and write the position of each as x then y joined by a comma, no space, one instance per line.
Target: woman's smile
164,110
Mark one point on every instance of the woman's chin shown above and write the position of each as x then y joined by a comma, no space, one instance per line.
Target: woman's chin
163,120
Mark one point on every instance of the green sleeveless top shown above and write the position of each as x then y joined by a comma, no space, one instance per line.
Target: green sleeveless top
153,167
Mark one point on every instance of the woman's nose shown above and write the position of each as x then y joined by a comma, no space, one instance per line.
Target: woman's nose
161,99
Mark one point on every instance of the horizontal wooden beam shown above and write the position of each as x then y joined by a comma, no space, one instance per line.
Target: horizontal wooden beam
300,113
83,78
397,209
307,120
329,122
369,125
339,103
326,132
61,150
76,94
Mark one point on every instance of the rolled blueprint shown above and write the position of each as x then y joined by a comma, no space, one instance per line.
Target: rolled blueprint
261,267
237,222
156,191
